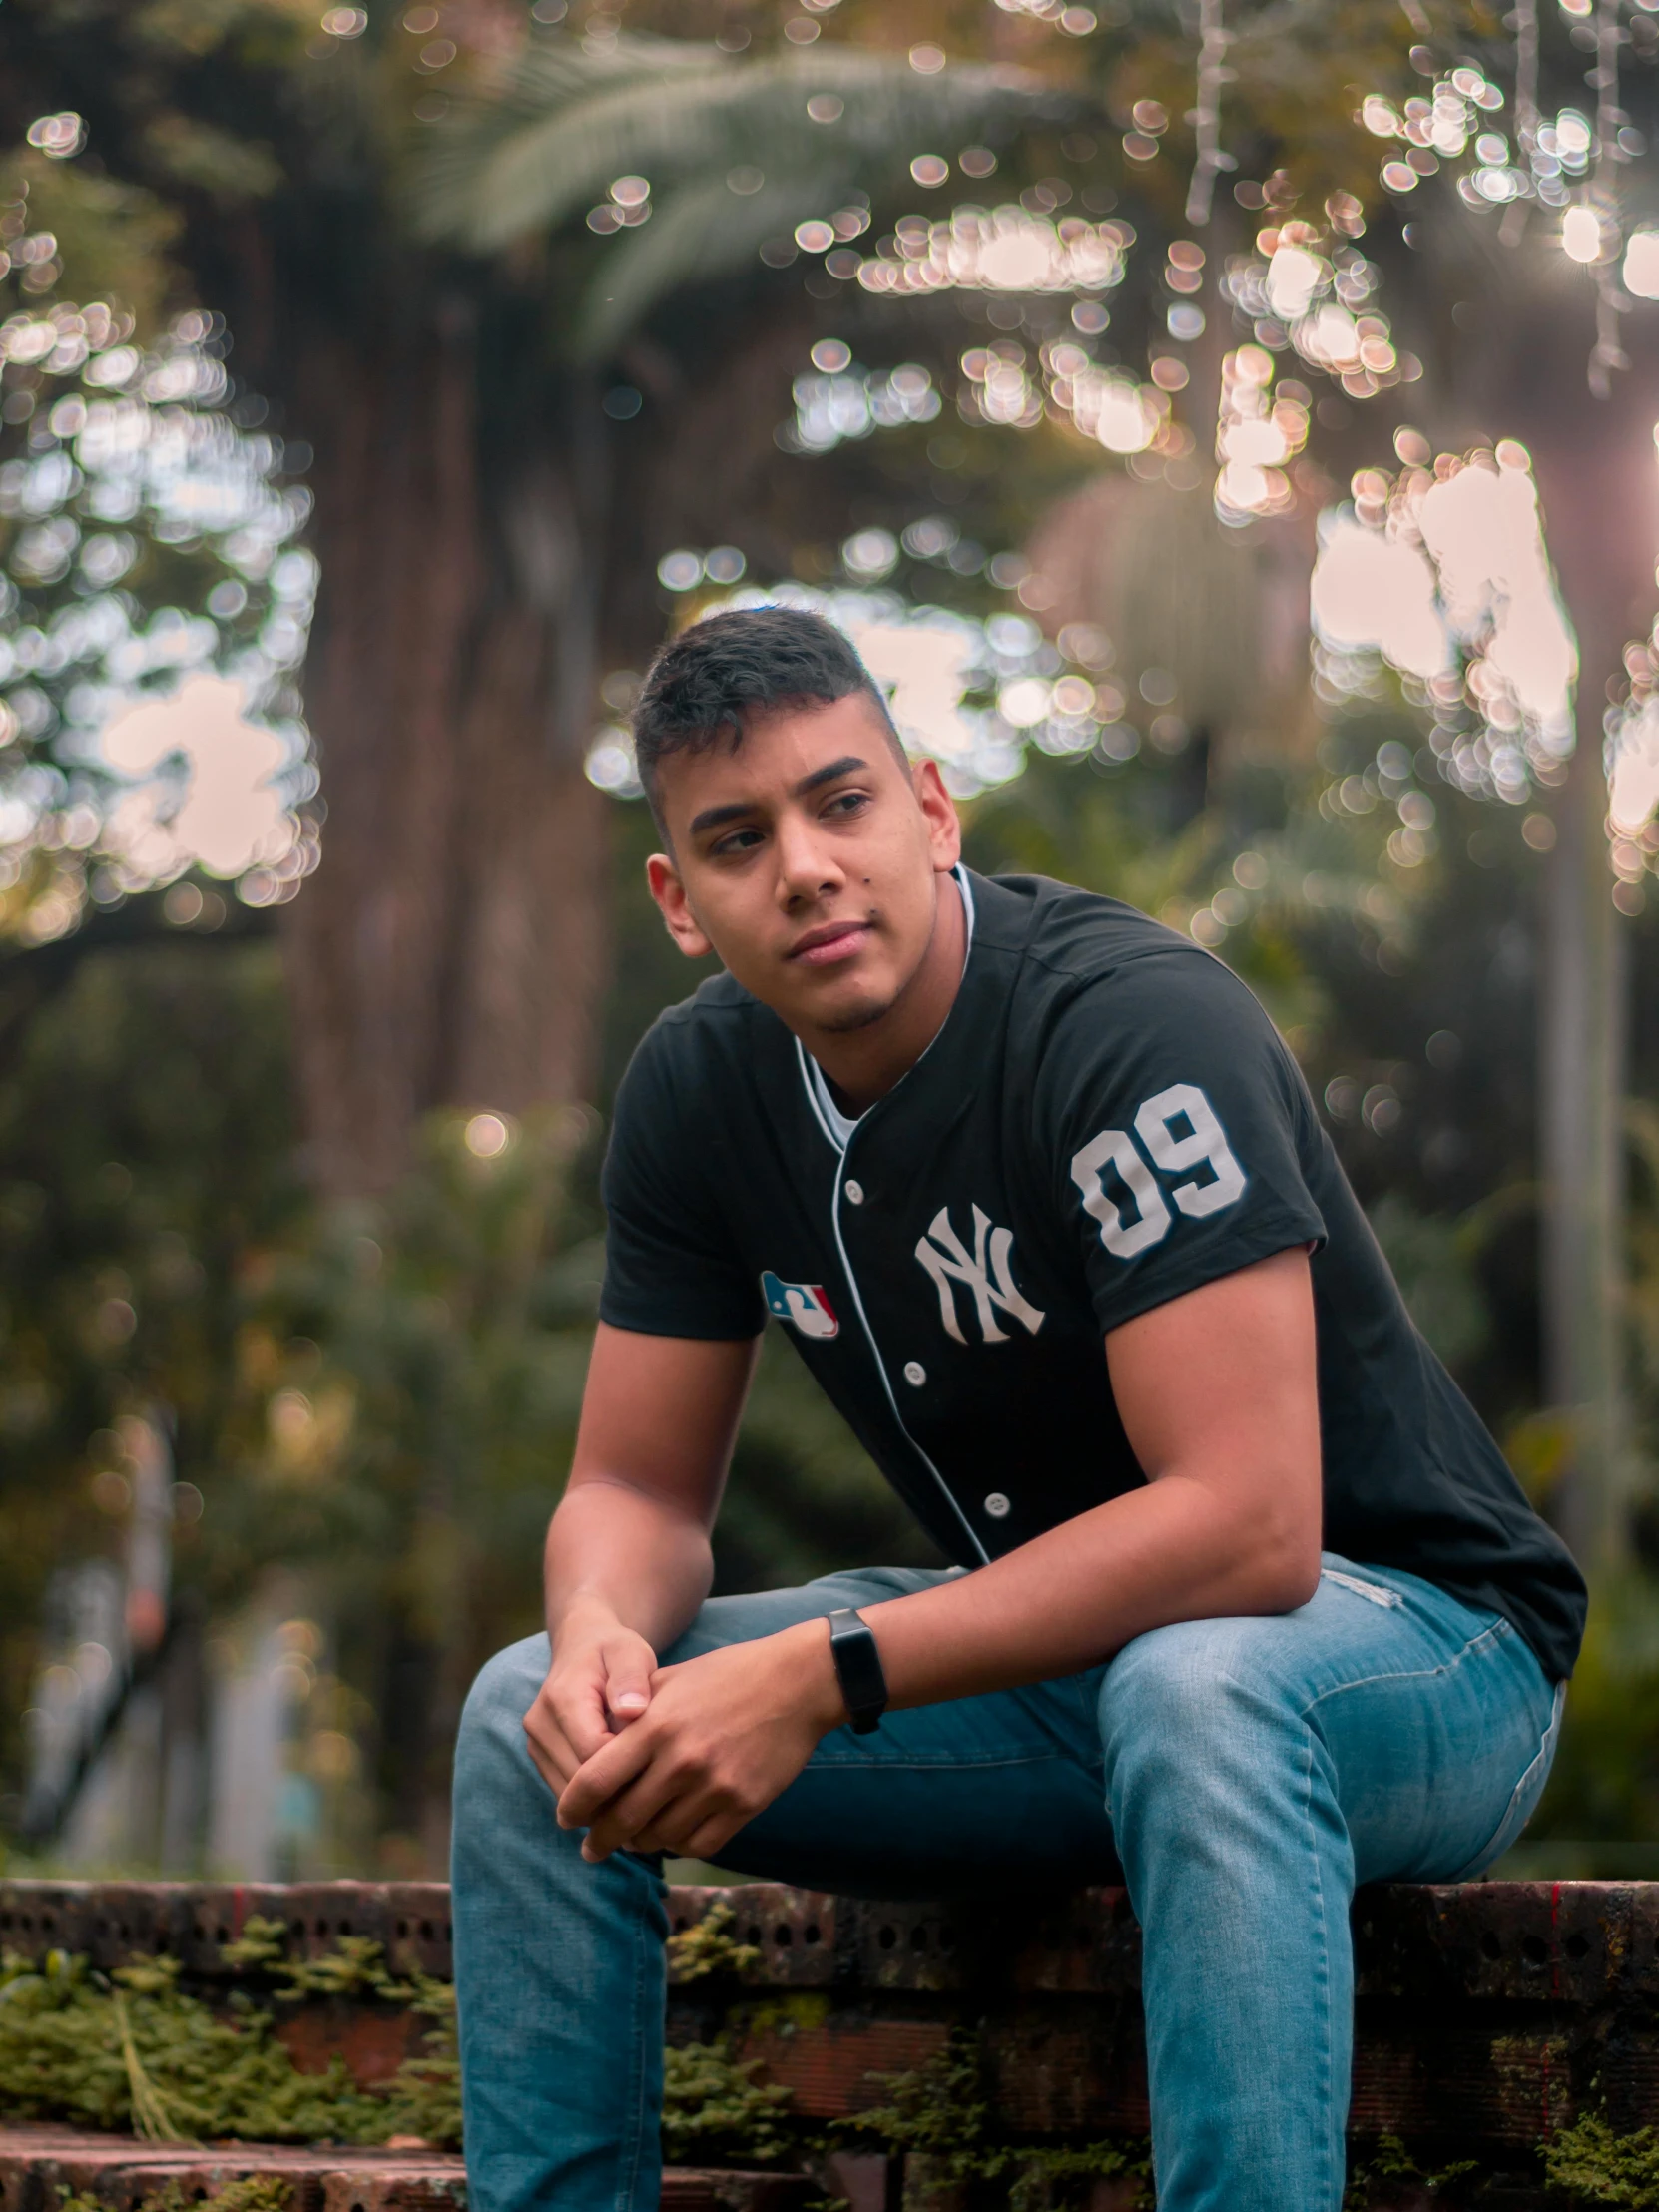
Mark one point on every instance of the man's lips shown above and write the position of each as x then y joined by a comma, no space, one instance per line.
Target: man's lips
837,940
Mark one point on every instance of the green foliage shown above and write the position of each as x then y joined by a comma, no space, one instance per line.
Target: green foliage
68,2037
115,237
380,1398
1600,2167
714,2107
1045,2176
525,154
938,2109
939,2114
710,1948
1391,2162
134,2051
146,1154
425,2097
253,2193
261,1944
1605,1781
1433,1264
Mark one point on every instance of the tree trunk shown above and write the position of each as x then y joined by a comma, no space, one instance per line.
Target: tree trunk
450,949
1580,1146
1594,462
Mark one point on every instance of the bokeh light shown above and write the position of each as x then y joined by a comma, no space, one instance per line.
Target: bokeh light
1006,248
487,1136
970,693
140,739
1443,574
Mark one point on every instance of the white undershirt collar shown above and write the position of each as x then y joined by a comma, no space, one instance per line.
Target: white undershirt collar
838,1127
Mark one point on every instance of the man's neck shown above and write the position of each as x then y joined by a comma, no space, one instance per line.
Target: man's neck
862,1065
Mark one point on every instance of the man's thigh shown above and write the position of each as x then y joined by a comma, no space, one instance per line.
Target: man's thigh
940,1797
1434,1720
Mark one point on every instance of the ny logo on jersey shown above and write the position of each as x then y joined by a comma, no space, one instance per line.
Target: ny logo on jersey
987,1274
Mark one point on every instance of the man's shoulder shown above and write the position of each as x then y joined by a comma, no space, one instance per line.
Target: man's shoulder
720,1024
718,1002
1093,992
1061,941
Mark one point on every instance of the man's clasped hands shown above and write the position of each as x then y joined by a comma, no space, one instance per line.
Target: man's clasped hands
676,1759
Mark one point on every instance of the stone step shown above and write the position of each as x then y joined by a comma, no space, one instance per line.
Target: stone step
38,2163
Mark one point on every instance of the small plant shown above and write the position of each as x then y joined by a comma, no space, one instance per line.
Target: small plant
707,1946
712,2101
940,2114
253,2193
133,2051
425,2098
1392,2162
1593,2163
355,1968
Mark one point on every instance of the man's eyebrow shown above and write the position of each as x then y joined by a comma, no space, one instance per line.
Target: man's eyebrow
713,818
843,767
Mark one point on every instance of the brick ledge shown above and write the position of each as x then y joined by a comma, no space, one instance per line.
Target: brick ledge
36,2162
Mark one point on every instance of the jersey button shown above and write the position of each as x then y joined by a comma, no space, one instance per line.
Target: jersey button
915,1372
998,1507
855,1193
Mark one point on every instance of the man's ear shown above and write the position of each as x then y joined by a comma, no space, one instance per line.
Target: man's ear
681,924
939,808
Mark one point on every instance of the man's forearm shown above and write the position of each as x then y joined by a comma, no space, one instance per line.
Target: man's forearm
1071,1598
727,1731
1218,1394
615,1553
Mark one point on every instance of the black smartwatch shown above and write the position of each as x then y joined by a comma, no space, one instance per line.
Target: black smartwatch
857,1660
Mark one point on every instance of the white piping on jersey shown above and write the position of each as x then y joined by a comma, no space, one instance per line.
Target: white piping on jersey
823,1105
881,1367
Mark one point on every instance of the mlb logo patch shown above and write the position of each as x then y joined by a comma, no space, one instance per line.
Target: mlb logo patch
804,1306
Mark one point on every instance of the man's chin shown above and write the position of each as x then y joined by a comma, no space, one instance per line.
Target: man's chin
857,1011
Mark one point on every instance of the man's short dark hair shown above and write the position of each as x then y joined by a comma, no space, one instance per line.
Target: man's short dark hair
704,685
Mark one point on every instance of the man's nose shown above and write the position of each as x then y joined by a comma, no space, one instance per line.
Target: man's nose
807,863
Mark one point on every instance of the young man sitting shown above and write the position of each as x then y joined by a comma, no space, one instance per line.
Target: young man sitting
1244,1593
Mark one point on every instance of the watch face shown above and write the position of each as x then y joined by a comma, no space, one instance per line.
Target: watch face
858,1670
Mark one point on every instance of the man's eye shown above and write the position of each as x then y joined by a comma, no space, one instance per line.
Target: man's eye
847,802
738,841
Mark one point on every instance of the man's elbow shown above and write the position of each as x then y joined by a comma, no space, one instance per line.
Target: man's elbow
1289,1569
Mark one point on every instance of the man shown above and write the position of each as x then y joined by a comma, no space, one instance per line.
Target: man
1043,1202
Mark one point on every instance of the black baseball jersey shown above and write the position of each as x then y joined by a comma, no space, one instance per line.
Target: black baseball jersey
1106,1120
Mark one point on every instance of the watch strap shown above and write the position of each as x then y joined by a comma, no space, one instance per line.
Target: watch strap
858,1662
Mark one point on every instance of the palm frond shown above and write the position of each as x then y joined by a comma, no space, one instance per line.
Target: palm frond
526,157
697,234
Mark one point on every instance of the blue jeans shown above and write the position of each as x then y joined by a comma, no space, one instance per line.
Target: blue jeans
1246,1772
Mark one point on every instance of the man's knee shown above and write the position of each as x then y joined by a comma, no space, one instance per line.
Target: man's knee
1196,1697
502,1694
